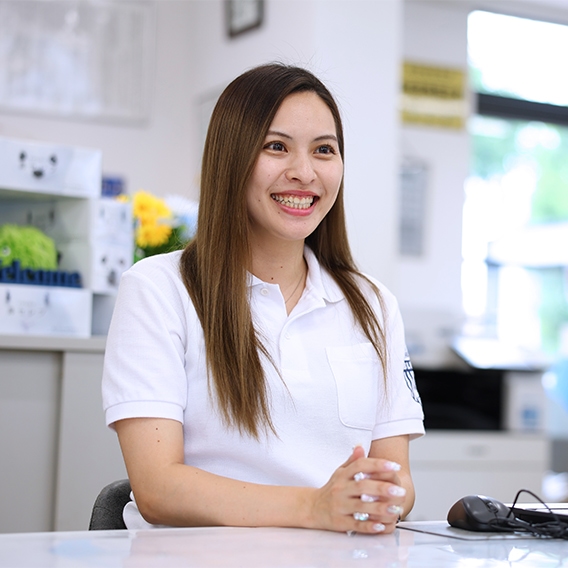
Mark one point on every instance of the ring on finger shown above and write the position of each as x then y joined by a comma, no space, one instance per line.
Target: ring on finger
361,516
368,498
360,476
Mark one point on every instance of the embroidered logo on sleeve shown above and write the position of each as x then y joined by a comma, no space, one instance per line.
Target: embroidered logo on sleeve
409,378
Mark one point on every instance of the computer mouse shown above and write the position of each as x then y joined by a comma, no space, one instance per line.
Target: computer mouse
478,513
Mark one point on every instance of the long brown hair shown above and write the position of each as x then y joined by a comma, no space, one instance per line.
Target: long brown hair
214,265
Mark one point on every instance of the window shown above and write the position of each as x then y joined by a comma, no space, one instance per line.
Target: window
515,232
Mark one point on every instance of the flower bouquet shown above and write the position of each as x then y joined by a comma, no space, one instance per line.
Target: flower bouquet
162,225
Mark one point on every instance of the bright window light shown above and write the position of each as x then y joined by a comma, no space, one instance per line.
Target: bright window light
517,57
515,215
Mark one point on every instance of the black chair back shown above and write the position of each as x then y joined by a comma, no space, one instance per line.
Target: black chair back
108,507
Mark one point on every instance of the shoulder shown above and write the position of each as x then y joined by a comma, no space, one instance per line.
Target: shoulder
374,291
152,294
154,278
157,264
371,285
159,269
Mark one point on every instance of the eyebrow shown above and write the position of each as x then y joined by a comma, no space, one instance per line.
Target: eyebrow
317,139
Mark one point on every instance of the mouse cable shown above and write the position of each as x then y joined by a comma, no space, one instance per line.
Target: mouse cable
555,528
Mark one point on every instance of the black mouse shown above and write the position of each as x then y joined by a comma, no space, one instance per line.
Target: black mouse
478,513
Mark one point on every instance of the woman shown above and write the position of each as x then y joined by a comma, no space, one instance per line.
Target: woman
258,379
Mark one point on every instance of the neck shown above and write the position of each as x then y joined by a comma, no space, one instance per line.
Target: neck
283,266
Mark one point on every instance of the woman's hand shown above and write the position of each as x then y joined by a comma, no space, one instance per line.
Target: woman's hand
364,495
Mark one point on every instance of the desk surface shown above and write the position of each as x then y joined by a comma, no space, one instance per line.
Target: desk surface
221,547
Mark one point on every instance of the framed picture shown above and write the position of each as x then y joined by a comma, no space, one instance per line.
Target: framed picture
243,15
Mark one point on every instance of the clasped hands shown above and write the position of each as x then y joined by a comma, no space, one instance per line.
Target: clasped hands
363,495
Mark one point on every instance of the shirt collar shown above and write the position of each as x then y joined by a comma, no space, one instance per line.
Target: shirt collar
319,281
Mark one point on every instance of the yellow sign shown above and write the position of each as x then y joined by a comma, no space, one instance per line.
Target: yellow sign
433,95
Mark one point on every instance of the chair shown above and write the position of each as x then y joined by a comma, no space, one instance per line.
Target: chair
108,507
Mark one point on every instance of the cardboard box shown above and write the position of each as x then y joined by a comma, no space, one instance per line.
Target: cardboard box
45,310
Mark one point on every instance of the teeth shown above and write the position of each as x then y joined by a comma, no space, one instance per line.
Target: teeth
294,202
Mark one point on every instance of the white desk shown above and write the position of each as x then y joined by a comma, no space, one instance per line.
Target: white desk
271,548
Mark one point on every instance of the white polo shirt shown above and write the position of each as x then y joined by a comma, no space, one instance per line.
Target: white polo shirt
329,397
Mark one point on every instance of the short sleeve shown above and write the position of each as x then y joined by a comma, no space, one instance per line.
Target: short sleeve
401,412
144,372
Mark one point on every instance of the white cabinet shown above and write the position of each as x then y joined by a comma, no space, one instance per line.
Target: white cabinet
89,455
447,465
56,451
29,392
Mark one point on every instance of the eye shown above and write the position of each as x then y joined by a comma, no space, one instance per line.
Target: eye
275,146
325,149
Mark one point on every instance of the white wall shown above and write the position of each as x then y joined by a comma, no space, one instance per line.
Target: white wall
429,289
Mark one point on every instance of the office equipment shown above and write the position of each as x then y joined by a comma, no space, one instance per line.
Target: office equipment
478,513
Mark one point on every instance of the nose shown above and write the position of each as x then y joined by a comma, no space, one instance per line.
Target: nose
301,169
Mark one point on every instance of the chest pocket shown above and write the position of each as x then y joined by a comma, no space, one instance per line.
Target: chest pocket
357,373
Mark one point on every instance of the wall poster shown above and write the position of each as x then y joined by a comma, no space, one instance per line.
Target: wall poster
433,96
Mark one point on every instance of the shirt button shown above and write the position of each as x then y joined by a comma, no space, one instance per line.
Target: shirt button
264,291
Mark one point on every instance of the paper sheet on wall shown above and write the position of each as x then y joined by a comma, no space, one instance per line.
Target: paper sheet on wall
76,59
412,218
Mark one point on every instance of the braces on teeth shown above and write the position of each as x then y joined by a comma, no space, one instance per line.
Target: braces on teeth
294,202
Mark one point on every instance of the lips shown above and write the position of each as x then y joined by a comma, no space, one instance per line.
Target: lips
295,202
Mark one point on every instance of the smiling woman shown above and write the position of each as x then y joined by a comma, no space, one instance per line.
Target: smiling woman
296,178
247,377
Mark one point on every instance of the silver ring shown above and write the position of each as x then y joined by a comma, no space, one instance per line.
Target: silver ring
368,498
360,476
361,516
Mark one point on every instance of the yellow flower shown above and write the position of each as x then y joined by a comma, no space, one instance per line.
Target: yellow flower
148,208
152,234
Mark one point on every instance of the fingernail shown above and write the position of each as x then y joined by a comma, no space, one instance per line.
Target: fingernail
397,490
368,498
378,527
395,509
392,466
